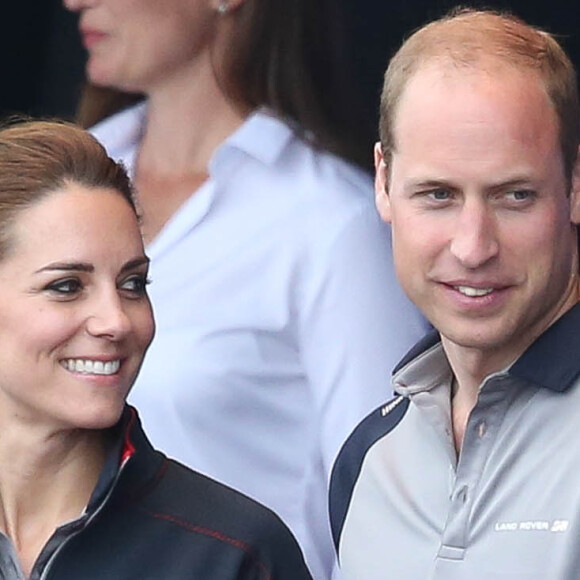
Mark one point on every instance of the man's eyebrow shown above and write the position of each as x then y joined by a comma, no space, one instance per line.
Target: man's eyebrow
517,181
430,183
511,183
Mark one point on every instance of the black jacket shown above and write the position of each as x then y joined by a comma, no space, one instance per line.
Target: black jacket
159,520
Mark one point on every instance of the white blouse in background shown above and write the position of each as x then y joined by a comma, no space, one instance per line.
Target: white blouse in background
279,319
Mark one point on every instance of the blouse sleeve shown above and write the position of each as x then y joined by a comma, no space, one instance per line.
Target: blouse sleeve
355,324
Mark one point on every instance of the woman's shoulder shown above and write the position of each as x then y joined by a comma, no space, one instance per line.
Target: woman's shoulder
271,154
121,130
214,517
207,501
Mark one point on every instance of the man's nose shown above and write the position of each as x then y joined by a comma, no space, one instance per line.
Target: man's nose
474,241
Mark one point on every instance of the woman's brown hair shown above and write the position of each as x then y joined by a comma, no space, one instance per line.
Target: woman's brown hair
40,157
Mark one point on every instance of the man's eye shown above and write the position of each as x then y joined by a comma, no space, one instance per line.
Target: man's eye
439,194
518,198
65,287
135,284
520,194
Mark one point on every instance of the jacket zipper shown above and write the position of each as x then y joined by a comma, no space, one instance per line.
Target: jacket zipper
47,568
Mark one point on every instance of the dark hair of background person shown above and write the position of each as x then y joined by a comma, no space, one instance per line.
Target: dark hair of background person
39,157
289,56
44,73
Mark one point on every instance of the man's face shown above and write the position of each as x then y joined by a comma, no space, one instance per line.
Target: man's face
483,232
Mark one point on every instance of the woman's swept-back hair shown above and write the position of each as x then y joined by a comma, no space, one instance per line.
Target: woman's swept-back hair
40,157
475,38
288,56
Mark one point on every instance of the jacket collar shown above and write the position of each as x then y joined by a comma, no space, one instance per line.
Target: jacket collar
131,461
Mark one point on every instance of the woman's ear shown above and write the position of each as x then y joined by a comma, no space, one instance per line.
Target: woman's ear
382,200
222,7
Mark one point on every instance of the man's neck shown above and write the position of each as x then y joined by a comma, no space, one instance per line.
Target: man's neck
470,368
471,365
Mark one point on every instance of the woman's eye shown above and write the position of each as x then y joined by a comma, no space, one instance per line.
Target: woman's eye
135,284
65,287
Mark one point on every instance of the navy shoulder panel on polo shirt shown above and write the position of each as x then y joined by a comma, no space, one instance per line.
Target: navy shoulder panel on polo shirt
350,459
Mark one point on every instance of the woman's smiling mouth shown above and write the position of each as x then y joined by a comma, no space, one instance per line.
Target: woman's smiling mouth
91,367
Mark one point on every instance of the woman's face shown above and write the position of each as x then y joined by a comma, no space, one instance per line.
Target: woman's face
75,319
135,45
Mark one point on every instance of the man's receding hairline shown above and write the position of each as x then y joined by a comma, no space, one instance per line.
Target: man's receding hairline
485,64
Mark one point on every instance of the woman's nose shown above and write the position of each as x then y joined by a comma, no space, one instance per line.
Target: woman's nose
109,319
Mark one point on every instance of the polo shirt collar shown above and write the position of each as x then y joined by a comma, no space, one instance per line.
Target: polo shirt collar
424,368
552,361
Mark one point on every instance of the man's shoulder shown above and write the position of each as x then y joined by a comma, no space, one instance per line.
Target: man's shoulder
348,465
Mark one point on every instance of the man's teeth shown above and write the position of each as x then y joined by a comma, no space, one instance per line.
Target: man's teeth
92,367
469,291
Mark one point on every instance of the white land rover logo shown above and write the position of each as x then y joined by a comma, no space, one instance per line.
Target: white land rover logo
533,526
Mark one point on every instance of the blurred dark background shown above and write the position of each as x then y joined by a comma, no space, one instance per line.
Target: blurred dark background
42,61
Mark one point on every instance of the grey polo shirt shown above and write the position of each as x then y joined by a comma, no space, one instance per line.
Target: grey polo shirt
404,507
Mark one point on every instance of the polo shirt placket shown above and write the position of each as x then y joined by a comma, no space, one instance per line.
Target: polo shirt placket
480,437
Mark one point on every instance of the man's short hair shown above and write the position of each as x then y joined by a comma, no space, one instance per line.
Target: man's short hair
472,38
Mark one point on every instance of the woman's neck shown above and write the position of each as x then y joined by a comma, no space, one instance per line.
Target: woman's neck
186,122
46,479
187,119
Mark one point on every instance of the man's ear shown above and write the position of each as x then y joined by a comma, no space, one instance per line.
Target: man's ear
382,200
575,192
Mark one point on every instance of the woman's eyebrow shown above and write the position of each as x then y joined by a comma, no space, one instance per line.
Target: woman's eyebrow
86,267
136,263
67,267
